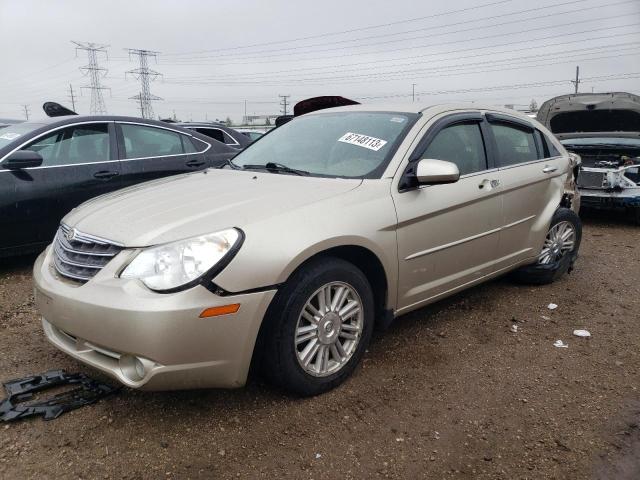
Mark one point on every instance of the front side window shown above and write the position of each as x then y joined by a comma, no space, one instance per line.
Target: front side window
340,144
461,144
74,145
515,145
141,141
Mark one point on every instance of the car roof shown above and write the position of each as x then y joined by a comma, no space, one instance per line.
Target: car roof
46,123
430,110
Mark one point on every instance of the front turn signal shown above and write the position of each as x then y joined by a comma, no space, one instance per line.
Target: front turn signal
222,310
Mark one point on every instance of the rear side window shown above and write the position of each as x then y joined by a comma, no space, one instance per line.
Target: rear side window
212,133
142,141
74,145
515,145
461,144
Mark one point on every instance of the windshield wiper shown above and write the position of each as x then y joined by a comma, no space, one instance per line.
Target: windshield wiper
277,167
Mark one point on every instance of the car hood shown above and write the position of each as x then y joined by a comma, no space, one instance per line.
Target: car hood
180,207
584,114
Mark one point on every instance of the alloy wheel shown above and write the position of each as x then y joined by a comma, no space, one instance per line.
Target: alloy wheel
329,329
560,240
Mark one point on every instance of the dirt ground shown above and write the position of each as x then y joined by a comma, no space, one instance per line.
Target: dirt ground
448,392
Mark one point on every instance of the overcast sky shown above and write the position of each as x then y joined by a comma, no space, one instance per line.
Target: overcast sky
214,55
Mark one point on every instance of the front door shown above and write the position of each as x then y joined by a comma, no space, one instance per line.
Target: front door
448,234
79,163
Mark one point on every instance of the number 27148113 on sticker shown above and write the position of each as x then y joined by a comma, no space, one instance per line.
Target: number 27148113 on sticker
372,143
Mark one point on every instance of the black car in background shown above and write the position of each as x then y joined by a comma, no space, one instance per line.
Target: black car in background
219,132
50,166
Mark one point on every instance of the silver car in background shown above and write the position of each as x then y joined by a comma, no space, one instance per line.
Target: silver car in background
331,225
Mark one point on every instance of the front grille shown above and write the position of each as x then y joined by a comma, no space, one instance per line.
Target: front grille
588,179
80,256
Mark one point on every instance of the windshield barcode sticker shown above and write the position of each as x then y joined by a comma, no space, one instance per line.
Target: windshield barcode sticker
9,136
372,143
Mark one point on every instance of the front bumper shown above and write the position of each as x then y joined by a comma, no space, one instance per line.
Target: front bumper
600,198
144,339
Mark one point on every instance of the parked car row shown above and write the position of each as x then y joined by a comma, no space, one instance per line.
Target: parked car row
49,167
291,254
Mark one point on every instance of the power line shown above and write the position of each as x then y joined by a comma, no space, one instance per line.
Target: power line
466,49
456,63
261,54
94,72
601,78
469,69
146,76
353,30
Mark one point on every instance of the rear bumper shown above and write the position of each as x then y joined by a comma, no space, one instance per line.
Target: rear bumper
147,340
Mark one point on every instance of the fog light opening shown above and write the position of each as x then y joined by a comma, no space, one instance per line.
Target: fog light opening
132,368
139,367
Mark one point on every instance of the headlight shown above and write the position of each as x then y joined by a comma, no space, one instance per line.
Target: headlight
174,265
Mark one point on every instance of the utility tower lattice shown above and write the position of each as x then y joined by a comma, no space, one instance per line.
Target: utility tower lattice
94,72
146,76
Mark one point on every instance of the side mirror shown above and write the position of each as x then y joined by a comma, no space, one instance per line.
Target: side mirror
436,172
22,159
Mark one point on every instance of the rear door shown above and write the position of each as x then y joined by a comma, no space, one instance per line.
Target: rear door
532,185
448,234
148,152
79,162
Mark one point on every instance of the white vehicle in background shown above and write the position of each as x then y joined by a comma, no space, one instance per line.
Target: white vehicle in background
604,129
253,133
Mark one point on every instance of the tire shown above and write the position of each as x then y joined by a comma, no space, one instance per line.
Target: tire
284,343
552,265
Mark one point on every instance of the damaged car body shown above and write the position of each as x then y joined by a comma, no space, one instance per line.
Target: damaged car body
604,129
288,257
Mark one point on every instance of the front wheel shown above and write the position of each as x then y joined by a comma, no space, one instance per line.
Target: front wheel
319,327
559,251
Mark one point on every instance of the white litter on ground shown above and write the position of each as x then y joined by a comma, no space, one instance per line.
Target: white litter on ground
552,306
318,455
582,333
560,344
514,328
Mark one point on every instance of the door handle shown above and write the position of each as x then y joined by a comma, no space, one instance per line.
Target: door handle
549,169
105,174
489,184
194,163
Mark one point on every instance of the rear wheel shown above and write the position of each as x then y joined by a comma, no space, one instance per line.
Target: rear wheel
559,251
319,326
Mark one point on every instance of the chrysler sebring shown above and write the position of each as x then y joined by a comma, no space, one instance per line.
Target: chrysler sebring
286,259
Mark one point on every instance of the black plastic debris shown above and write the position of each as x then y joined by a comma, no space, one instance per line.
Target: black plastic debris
21,390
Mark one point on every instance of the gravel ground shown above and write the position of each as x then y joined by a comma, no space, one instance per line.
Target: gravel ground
450,391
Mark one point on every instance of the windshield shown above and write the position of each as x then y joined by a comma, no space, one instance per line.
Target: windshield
340,144
627,142
14,132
